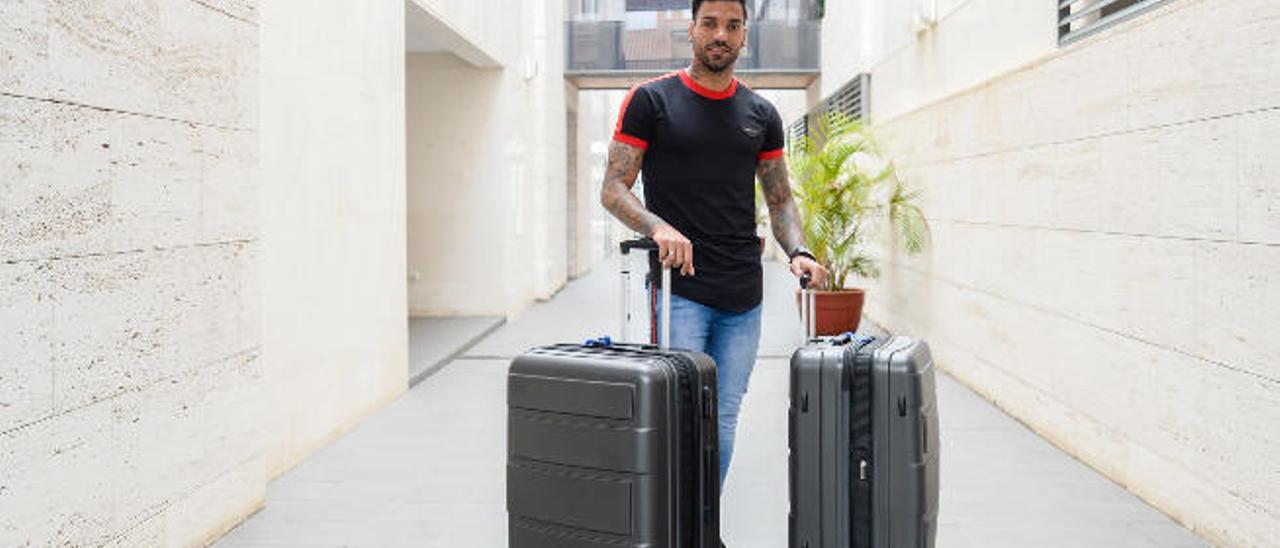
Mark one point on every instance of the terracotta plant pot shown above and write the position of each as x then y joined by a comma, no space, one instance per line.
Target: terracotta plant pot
837,311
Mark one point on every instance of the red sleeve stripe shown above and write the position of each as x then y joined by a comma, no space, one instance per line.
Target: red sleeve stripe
770,154
622,112
627,139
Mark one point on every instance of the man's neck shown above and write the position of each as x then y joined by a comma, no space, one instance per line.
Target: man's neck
717,81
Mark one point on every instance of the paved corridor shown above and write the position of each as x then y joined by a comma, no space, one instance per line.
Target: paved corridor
428,470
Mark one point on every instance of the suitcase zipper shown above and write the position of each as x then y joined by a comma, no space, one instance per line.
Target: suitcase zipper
858,362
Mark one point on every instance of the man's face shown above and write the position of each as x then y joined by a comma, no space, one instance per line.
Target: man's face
718,32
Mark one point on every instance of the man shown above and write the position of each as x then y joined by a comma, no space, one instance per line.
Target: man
701,140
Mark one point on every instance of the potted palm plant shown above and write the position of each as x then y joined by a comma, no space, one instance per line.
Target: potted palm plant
849,195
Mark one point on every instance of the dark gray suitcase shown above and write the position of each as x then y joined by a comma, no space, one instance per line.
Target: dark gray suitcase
864,444
612,445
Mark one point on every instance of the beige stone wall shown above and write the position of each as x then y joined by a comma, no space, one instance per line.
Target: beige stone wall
486,162
915,63
333,167
1106,260
460,201
130,340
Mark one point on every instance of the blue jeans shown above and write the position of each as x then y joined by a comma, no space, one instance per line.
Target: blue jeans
731,339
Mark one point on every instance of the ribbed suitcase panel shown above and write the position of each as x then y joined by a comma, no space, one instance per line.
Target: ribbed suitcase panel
609,447
864,455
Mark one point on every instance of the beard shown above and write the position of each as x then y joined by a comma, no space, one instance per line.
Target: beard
718,62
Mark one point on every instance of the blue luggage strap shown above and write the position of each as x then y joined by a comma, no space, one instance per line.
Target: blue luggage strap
602,342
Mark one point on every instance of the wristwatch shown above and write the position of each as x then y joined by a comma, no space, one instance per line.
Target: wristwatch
801,251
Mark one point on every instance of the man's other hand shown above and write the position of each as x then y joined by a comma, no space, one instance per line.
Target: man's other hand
801,265
674,250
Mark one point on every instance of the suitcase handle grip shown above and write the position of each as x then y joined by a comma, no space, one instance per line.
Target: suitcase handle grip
807,314
637,243
664,325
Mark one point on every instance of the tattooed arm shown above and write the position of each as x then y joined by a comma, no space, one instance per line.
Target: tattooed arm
785,217
783,214
615,194
674,249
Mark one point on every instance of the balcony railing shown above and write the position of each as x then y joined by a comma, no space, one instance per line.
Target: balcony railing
606,46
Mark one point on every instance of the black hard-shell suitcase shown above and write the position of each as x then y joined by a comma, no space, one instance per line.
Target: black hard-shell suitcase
612,445
864,459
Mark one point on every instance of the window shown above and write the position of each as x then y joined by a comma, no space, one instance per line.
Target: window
852,99
1080,18
797,131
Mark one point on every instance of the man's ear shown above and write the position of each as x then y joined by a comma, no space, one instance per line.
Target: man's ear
691,23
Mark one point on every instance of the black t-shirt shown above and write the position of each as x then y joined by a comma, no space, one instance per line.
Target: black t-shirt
702,148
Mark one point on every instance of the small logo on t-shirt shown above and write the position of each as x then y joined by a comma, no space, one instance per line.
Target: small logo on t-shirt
751,132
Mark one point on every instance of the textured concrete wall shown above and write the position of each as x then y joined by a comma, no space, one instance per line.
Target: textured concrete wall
487,192
130,340
460,202
973,41
1106,263
333,166
488,26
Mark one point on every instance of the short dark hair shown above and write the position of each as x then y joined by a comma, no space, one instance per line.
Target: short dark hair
697,4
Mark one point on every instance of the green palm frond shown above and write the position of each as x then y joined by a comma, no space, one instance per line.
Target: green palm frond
841,185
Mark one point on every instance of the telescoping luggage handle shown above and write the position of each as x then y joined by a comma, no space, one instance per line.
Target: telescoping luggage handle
664,325
807,299
806,308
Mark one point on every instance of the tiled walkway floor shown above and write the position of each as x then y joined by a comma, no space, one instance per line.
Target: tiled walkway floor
434,341
428,471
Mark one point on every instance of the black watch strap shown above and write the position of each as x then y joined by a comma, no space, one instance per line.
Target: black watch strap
801,252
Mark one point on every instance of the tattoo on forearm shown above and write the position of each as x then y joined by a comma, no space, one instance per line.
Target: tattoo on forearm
615,194
783,214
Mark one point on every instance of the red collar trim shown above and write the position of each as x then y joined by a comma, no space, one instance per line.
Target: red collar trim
709,93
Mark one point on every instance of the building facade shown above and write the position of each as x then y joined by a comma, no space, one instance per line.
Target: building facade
215,220
1105,212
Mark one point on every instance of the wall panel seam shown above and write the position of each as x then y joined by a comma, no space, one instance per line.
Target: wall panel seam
1071,450
117,253
1060,52
167,504
217,535
1069,317
1081,139
1075,230
146,517
212,7
254,352
64,102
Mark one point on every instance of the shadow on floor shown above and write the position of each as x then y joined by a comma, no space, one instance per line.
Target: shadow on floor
429,470
434,341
